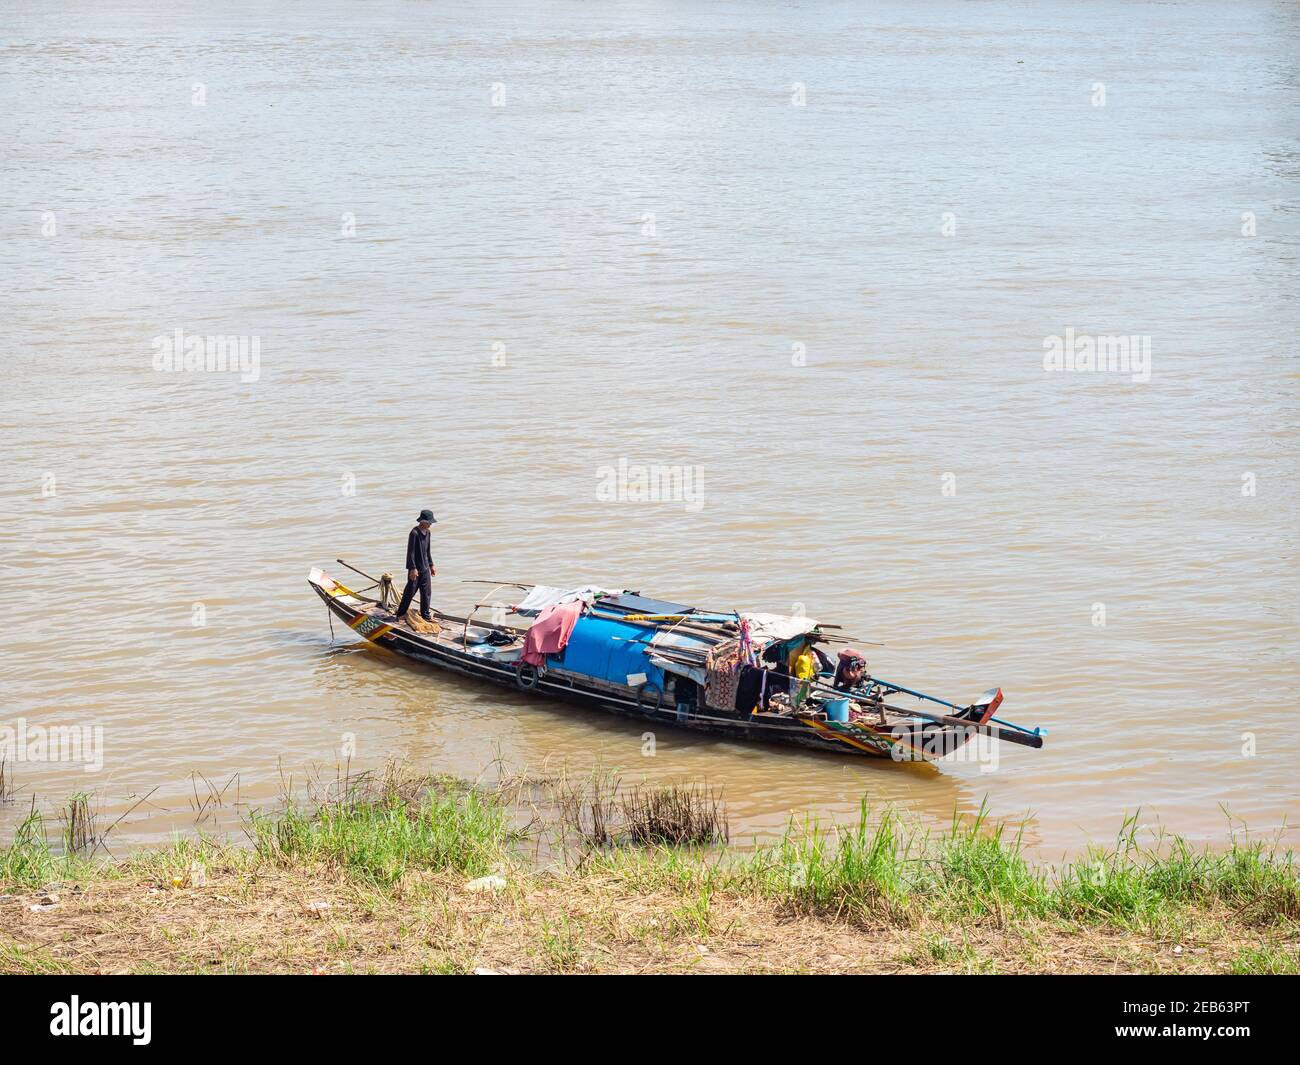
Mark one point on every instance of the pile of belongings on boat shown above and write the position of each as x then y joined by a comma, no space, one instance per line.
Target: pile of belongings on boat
729,661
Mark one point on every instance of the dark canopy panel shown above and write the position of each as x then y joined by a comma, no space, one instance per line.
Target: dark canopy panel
631,603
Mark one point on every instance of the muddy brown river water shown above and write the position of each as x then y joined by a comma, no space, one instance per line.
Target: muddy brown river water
816,261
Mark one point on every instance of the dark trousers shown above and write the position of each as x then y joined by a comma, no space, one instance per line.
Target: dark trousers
425,584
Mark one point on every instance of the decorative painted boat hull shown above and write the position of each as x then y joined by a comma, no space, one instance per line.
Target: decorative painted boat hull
900,737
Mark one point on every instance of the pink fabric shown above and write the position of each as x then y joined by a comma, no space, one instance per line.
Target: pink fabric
549,634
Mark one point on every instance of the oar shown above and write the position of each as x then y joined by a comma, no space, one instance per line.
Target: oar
355,570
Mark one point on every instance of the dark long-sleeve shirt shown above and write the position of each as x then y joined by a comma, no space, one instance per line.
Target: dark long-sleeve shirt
418,554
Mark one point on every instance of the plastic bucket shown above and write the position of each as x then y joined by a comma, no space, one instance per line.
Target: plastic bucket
837,709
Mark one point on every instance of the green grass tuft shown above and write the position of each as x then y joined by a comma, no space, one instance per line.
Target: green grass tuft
975,870
1267,960
32,861
378,839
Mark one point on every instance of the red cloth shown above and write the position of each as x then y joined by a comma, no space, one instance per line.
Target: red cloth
549,634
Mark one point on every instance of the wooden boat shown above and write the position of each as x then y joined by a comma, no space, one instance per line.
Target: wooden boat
716,673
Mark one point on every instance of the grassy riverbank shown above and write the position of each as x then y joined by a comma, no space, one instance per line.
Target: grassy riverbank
399,874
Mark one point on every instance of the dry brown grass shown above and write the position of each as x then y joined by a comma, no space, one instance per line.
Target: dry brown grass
675,815
241,916
600,811
80,831
391,872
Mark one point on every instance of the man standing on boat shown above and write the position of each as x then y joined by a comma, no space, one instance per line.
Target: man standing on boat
419,567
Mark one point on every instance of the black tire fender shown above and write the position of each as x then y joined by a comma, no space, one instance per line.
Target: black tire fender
645,706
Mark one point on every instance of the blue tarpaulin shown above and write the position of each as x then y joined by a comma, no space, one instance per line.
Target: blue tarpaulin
609,650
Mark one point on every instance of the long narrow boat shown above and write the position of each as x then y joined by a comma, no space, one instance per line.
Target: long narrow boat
720,673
